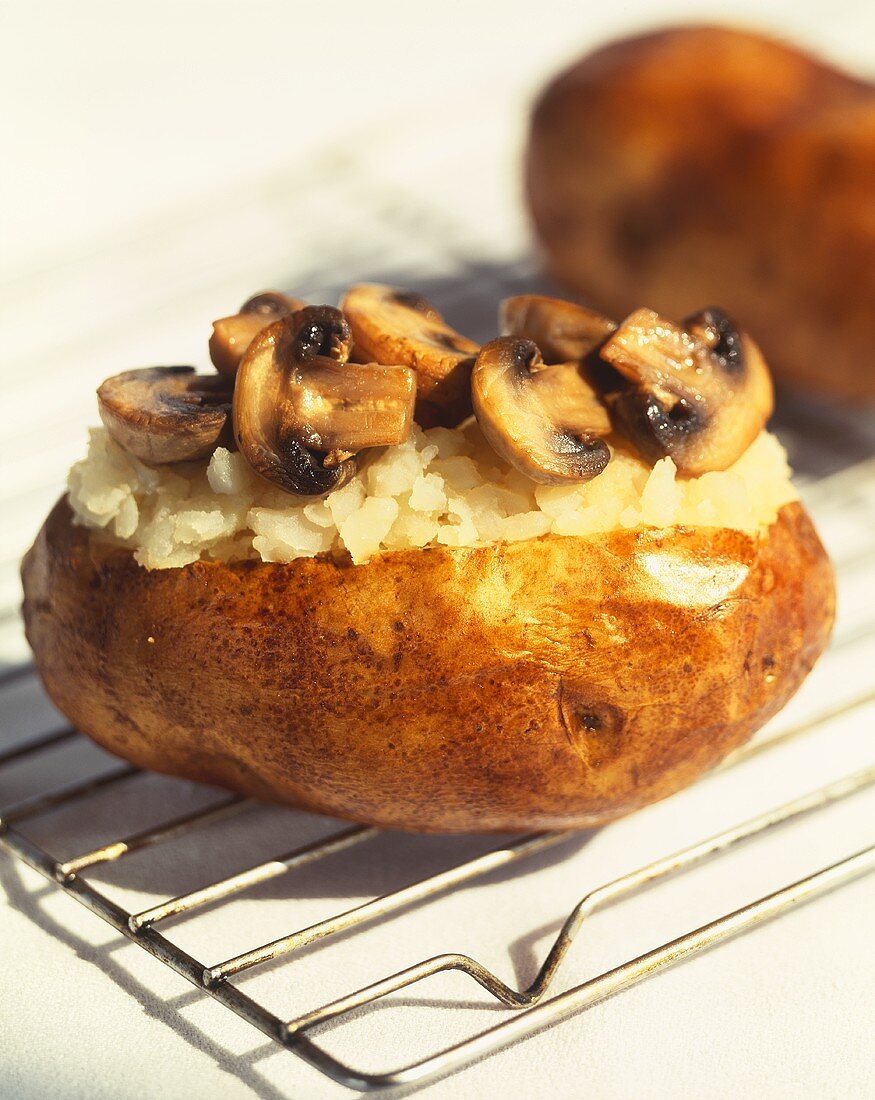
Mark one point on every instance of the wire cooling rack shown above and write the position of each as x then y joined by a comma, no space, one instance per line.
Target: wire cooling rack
533,1009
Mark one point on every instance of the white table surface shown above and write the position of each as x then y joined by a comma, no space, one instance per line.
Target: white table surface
160,163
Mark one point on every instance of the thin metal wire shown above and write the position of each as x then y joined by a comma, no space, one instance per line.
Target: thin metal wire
37,744
798,729
383,906
253,876
218,811
42,803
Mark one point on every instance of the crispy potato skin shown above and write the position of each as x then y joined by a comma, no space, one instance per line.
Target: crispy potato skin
704,165
550,684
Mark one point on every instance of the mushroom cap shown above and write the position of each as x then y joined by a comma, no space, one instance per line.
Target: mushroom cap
701,392
545,420
232,335
562,330
395,326
166,414
302,411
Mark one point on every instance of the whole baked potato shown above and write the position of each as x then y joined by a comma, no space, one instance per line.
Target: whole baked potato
708,164
549,683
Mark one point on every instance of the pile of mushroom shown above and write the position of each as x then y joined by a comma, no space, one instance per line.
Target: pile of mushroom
305,391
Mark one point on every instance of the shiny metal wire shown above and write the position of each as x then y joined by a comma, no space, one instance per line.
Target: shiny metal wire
533,1011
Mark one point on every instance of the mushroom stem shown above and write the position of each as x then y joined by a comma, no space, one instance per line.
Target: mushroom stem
302,411
349,407
392,326
232,335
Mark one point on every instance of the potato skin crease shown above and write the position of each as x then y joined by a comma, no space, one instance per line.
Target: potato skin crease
553,683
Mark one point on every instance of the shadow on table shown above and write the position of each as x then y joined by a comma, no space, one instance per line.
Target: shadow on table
30,903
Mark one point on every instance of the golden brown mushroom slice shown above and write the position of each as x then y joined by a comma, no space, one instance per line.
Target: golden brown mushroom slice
562,330
233,335
546,421
393,326
302,411
166,414
701,392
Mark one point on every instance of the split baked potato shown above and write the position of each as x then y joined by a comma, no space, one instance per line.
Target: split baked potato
545,618
709,164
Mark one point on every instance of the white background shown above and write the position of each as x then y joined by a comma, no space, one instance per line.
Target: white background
116,112
159,163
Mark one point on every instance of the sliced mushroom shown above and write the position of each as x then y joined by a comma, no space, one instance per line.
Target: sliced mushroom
166,414
398,326
546,421
302,412
562,330
701,392
233,335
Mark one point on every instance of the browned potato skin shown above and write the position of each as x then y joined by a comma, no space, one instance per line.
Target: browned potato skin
545,684
703,164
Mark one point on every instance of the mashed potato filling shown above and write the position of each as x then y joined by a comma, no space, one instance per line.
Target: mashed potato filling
440,488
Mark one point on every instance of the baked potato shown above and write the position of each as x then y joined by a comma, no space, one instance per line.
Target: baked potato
549,683
543,618
709,164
